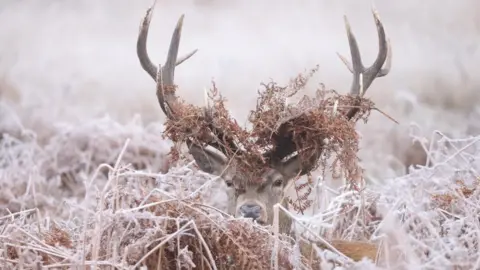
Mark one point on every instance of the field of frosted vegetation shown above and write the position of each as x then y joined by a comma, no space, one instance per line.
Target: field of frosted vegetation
86,178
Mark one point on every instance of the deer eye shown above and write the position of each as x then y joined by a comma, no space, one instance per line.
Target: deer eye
278,183
229,184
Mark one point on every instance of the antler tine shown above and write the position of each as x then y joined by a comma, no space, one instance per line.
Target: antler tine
384,57
388,62
164,76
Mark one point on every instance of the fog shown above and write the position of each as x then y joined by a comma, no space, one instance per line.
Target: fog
70,61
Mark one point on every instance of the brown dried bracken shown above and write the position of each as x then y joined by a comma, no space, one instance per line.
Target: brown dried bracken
306,124
461,190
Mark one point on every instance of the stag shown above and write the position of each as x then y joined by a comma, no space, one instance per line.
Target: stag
256,199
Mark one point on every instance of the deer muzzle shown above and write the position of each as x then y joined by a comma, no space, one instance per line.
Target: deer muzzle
253,211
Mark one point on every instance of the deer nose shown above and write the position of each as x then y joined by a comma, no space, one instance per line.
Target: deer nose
250,211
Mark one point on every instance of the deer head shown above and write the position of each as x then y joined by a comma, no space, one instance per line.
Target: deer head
253,199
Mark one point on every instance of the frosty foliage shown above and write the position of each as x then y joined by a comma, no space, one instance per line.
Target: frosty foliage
102,193
437,208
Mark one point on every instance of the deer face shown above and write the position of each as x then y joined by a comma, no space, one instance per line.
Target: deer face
255,200
251,199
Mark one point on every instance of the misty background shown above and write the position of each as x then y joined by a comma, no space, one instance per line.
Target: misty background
65,61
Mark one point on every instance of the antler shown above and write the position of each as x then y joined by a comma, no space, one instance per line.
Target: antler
164,76
165,80
362,79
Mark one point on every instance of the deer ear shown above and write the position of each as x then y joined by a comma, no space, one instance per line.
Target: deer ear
208,160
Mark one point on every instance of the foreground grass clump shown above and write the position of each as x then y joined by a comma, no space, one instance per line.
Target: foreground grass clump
127,224
131,228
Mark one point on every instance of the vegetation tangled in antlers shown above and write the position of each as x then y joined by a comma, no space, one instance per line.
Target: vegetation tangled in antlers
315,125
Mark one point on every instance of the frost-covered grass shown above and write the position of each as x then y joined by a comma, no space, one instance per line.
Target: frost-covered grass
102,193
